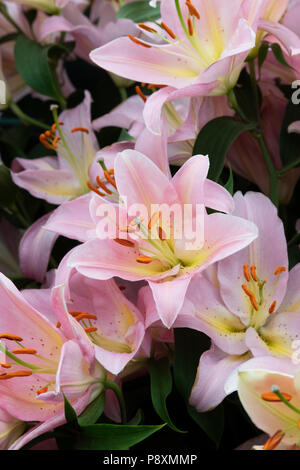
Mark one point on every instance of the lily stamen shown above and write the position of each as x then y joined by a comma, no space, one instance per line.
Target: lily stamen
18,373
253,273
140,93
91,329
11,337
192,9
279,270
272,307
24,351
168,30
144,259
246,272
102,186
137,41
147,28
273,397
108,177
80,129
274,441
190,27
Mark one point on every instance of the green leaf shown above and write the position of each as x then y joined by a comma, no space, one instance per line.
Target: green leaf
109,437
93,412
32,63
230,184
161,387
70,414
289,143
139,12
124,136
189,346
215,139
262,53
278,54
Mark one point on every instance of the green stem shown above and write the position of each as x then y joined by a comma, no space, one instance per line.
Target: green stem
110,385
287,403
273,176
289,167
6,15
25,118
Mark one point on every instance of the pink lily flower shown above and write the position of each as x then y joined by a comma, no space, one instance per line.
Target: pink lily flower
171,266
249,306
39,364
202,49
269,389
10,429
108,320
61,178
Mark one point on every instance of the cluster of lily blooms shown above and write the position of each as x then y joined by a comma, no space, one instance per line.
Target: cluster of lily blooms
114,302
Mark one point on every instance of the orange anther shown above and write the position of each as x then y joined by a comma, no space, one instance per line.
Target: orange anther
137,41
48,134
273,397
18,373
190,27
147,28
124,242
91,329
272,307
80,129
251,297
85,316
93,188
42,390
110,179
192,9
24,351
54,142
246,272
58,324
5,366
140,93
102,186
274,441
11,337
168,30
280,269
253,273
144,259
